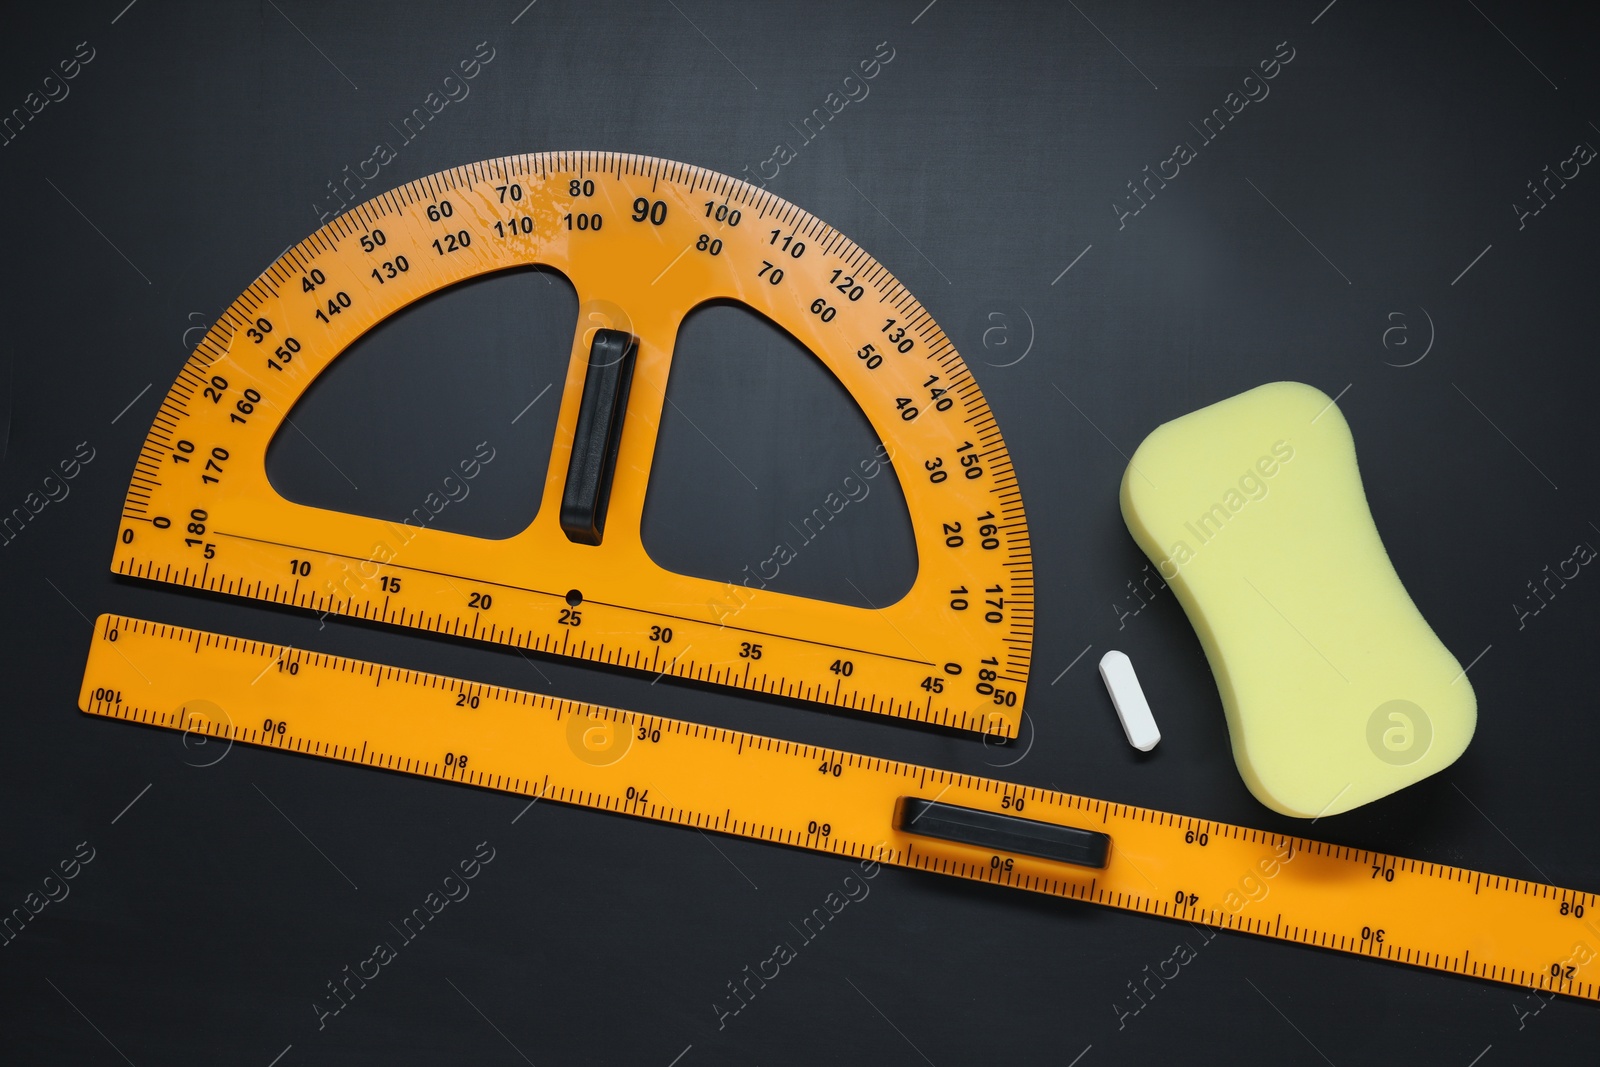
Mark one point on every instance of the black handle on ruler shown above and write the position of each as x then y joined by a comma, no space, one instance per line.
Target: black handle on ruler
1002,833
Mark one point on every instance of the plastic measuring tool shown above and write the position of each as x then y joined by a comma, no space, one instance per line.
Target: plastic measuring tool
1289,888
644,241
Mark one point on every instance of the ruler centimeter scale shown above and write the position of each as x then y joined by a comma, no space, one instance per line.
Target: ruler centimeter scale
1293,889
643,241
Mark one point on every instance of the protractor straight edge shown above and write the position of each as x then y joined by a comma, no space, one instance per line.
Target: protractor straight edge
1273,885
643,241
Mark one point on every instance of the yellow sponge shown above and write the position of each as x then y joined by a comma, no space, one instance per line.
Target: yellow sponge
1336,690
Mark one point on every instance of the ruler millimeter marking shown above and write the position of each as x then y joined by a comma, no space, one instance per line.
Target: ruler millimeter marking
643,241
1292,889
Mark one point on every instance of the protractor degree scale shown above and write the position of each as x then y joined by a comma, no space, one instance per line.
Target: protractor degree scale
644,242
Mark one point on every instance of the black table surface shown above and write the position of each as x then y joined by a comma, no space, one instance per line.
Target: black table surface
1401,216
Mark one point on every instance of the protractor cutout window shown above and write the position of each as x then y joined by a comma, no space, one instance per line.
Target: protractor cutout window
442,415
767,473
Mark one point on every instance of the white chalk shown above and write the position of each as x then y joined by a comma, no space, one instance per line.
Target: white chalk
1132,708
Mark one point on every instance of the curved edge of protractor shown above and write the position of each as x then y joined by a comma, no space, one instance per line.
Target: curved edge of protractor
644,241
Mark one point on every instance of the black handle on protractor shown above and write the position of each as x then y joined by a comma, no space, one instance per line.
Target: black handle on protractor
598,436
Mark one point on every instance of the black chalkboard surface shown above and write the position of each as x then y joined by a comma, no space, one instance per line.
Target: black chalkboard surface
1119,214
